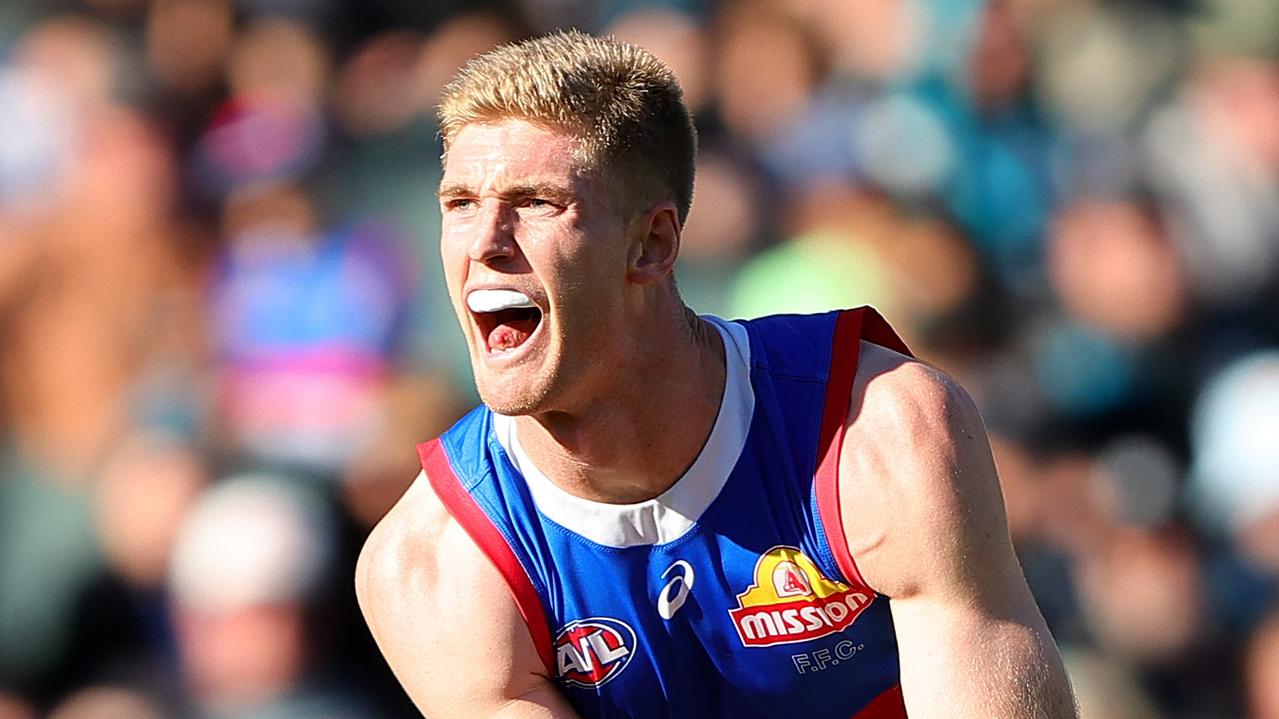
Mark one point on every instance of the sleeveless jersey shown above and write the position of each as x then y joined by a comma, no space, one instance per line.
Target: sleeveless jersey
736,597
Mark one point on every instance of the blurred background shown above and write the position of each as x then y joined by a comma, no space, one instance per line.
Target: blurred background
222,325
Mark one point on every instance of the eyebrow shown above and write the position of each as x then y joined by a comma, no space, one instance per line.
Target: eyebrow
535,189
453,190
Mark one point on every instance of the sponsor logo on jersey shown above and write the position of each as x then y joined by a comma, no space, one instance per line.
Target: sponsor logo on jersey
590,652
676,590
791,601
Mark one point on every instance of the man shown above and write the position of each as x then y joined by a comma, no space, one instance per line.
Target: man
655,513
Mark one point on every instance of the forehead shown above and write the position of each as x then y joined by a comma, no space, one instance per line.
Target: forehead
508,151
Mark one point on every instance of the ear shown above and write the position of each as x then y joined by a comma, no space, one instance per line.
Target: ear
655,246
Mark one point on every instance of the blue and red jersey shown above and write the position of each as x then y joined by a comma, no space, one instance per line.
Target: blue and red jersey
731,595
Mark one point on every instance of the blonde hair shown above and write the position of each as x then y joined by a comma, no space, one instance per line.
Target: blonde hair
625,107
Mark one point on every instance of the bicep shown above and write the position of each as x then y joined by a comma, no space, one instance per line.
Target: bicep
971,639
449,631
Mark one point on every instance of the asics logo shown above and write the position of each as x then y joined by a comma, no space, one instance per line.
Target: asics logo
676,590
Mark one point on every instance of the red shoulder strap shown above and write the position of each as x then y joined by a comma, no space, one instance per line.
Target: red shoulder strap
851,327
460,504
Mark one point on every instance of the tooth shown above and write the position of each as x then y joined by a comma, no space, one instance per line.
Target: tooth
495,300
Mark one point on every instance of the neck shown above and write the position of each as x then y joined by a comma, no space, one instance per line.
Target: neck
631,442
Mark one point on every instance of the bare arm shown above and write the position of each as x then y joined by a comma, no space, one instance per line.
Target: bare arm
444,620
924,517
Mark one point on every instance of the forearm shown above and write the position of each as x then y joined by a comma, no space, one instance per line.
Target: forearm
990,668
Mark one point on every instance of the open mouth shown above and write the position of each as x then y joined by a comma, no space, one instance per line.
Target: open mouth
506,318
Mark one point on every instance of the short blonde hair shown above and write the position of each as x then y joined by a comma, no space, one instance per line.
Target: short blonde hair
623,104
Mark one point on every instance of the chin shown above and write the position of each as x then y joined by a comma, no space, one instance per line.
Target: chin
528,386
511,397
510,407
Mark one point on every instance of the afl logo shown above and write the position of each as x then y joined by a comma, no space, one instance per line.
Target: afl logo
590,652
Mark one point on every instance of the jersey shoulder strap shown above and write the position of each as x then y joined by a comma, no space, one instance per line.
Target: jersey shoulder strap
456,491
851,327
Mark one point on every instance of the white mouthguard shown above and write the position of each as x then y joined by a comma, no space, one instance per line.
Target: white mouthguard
497,300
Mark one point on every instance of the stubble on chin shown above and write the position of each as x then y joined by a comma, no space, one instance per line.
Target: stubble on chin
507,405
514,397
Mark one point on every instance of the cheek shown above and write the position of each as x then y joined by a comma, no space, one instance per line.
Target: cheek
579,276
454,261
554,257
453,247
584,255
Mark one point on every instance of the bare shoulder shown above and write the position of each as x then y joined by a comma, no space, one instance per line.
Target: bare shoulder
443,619
924,518
920,404
916,468
401,556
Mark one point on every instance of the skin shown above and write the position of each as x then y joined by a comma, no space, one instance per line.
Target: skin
971,639
520,214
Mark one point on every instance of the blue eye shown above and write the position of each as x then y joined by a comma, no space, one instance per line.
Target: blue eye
541,204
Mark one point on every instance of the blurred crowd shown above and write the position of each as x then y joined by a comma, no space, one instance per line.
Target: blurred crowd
222,325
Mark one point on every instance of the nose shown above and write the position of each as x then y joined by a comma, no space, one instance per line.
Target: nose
494,238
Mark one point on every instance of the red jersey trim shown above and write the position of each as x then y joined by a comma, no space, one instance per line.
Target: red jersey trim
460,504
888,705
851,326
